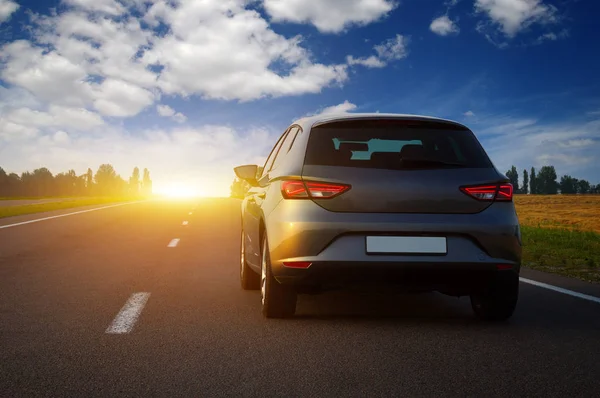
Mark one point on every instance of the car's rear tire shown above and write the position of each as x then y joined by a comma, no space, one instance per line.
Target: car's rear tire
249,279
278,301
499,300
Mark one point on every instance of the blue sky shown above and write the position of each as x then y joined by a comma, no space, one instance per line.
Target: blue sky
190,89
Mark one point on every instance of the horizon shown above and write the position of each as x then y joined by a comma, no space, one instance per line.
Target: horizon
190,90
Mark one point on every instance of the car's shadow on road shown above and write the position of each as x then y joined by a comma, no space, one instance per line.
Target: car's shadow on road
385,306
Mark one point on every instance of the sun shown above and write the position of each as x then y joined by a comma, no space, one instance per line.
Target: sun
180,190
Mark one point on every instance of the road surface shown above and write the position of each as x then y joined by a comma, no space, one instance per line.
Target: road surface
129,301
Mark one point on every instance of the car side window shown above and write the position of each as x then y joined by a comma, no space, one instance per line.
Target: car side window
271,157
285,147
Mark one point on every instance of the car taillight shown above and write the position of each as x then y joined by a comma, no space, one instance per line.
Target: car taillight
316,190
502,192
297,264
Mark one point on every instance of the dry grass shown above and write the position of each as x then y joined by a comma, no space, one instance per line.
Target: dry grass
561,234
572,212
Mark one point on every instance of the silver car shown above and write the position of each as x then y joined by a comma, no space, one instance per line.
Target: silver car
371,199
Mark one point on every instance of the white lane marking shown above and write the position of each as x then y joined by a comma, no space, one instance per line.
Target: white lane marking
185,223
561,290
173,243
67,214
129,314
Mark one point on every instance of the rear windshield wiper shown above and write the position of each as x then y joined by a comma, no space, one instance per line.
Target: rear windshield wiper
433,162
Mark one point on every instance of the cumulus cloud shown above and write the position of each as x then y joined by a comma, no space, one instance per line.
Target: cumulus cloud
469,114
390,50
444,26
99,54
512,16
167,111
7,8
344,107
330,16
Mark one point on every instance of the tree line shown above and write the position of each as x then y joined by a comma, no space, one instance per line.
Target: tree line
105,182
546,182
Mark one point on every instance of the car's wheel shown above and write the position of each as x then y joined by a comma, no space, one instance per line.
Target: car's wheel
499,300
249,279
278,301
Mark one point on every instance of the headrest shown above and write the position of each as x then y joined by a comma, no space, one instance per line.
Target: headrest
412,151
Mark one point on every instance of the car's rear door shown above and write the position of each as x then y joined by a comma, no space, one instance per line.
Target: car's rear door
384,176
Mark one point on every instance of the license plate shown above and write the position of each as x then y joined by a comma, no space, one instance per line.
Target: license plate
407,244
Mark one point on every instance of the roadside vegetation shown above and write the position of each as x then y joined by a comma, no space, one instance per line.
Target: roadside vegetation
69,190
561,234
18,210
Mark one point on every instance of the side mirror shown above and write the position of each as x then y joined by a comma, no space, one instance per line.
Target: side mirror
247,173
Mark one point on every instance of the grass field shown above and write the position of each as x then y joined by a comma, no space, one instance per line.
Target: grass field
561,234
9,211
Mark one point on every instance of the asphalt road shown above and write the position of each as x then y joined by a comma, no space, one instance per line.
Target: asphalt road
63,282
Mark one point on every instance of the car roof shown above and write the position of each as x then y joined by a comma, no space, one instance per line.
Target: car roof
308,122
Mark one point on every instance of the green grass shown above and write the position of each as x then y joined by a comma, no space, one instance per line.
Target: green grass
9,211
571,253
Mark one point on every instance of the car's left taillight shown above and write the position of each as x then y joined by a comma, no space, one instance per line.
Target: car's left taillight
296,189
498,192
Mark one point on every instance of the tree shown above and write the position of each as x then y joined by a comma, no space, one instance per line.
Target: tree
583,187
106,180
147,183
568,185
525,182
533,182
546,181
3,183
89,181
134,181
513,176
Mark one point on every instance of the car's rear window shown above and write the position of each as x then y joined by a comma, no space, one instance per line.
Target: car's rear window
389,144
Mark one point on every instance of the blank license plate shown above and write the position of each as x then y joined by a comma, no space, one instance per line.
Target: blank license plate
406,244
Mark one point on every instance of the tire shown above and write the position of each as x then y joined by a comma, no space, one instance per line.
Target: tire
499,301
249,279
278,301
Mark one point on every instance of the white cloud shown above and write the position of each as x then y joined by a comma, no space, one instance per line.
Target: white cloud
393,49
390,50
7,8
444,26
167,111
469,114
344,107
105,6
56,116
180,117
369,62
512,16
96,54
526,142
331,16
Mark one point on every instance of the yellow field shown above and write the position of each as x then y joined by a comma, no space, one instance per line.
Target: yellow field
580,212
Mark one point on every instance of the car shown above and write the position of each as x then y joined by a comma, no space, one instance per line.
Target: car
379,199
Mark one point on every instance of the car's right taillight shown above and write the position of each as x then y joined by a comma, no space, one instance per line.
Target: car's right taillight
500,192
311,190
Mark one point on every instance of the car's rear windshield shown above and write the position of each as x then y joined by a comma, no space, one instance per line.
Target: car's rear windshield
394,144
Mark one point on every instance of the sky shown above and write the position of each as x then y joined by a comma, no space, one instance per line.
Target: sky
192,88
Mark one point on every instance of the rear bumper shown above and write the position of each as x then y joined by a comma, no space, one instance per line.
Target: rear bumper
459,279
